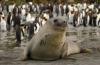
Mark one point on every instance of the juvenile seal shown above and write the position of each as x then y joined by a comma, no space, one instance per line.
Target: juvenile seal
50,42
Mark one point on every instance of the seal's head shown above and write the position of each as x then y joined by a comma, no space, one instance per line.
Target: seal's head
59,24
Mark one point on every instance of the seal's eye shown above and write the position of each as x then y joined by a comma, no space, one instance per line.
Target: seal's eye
55,20
64,21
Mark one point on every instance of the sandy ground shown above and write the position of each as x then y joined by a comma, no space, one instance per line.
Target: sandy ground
88,37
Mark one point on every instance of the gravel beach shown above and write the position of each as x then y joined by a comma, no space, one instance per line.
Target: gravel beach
86,37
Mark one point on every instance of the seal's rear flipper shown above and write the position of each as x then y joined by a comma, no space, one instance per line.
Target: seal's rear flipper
86,50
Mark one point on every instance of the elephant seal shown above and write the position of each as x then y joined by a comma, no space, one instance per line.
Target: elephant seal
50,42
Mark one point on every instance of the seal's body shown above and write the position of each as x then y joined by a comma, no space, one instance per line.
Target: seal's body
50,42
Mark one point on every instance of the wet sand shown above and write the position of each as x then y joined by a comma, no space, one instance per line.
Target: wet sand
88,37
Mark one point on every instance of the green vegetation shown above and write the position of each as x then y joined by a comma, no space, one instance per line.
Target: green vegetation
15,1
45,1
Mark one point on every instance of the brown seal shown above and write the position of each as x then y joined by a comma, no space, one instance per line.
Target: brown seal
50,42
